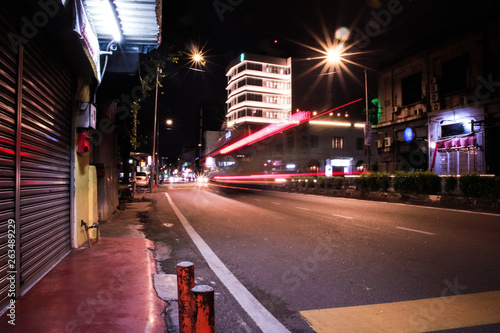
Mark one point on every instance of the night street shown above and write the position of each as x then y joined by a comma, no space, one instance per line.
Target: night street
297,253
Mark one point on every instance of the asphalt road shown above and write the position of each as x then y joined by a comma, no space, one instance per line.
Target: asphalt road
297,252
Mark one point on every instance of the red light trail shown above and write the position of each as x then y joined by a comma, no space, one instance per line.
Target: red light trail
292,121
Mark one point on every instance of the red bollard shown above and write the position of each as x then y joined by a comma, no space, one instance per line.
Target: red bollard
204,314
185,282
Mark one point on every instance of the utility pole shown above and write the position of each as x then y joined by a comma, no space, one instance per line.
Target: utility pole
153,159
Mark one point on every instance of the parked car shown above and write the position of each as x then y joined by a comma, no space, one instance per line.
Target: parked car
141,179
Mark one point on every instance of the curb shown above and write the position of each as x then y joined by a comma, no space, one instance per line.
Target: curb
443,201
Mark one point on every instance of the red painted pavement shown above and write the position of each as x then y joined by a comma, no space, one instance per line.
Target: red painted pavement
104,288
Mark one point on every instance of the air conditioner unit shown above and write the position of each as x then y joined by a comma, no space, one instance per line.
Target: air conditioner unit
434,97
379,143
436,106
433,80
396,109
387,142
433,88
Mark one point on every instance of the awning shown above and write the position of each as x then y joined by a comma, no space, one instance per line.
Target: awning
139,21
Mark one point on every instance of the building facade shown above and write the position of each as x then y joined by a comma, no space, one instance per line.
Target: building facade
258,90
55,137
439,108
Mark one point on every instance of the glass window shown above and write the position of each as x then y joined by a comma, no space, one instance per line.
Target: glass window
254,66
455,74
290,140
411,89
337,142
254,97
314,141
254,82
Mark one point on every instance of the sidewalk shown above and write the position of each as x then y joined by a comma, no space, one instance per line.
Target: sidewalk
104,288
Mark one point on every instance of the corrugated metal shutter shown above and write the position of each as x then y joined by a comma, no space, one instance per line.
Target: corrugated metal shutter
45,159
8,83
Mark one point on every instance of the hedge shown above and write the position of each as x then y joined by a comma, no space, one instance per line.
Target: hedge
476,186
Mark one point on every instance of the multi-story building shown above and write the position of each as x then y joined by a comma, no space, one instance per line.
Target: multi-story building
258,90
259,95
440,106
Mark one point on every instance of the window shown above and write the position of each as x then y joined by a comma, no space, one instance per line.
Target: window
254,82
279,148
254,97
411,89
290,140
455,74
255,67
304,142
360,143
314,141
337,142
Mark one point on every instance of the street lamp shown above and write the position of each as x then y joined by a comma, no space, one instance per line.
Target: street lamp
335,58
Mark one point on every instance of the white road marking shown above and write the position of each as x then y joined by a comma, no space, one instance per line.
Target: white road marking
414,230
276,203
345,217
302,208
443,208
257,200
262,317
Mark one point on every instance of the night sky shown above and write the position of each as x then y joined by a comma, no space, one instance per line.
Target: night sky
223,29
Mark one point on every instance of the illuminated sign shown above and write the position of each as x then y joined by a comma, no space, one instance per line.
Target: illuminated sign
242,57
328,170
408,134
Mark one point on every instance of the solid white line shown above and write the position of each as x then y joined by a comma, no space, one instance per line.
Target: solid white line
442,208
302,208
345,217
257,200
414,230
262,317
276,203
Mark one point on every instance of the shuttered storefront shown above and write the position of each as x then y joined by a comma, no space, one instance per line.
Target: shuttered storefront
42,209
8,84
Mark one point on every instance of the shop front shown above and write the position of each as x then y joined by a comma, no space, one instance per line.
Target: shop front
457,142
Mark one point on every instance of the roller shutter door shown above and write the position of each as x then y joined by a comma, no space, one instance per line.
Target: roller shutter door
45,159
8,84
43,171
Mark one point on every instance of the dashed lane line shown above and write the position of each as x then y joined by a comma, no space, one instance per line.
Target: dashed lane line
415,230
343,216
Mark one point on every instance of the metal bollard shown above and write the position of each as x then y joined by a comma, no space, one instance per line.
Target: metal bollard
185,282
204,314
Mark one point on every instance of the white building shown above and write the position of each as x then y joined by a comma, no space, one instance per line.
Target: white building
258,90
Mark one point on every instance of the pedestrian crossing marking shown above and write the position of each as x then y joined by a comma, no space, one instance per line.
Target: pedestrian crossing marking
422,315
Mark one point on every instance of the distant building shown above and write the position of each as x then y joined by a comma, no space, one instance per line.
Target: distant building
440,107
259,94
258,90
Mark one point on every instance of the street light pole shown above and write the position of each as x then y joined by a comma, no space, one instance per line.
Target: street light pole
368,131
153,159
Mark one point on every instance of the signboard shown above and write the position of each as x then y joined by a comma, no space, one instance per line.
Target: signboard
408,134
368,133
90,43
